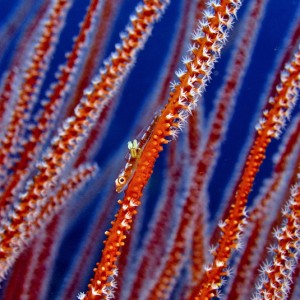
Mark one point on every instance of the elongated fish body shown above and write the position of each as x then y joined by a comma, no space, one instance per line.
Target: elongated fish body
135,150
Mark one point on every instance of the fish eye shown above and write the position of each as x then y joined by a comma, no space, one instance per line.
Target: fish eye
121,180
120,184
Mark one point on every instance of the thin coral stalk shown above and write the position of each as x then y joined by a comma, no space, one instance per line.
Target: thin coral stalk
263,214
108,12
12,244
159,230
44,120
11,77
75,128
268,128
219,123
208,43
277,275
33,77
291,40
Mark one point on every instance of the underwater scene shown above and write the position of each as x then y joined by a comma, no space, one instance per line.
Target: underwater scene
149,149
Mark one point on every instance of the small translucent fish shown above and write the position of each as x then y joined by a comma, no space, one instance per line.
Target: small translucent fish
135,148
